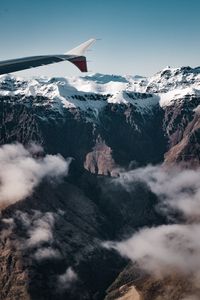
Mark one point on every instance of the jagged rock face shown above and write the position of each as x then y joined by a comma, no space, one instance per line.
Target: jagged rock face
120,136
99,160
13,275
17,123
105,124
134,284
183,130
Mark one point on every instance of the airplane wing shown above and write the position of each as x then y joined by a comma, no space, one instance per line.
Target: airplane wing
75,56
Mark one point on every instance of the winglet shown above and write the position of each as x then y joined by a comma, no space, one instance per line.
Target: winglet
80,50
79,58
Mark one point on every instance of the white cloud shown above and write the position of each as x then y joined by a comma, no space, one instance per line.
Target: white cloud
9,221
41,230
35,148
165,248
175,188
21,172
65,280
46,253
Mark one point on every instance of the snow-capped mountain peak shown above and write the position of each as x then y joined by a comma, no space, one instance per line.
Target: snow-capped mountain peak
93,92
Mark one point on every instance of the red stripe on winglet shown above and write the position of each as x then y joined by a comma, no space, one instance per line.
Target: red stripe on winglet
81,63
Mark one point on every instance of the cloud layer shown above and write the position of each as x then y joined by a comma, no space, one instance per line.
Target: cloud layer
176,189
21,171
39,228
165,248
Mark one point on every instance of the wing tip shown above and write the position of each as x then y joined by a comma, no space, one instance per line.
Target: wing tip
80,50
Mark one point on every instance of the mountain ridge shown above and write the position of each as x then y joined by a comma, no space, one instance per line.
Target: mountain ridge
107,124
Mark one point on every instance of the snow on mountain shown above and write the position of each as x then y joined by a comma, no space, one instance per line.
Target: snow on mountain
94,92
175,84
177,95
85,93
173,78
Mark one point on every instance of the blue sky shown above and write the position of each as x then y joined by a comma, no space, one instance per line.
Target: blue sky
138,37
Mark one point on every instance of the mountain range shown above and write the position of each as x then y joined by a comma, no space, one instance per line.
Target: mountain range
71,140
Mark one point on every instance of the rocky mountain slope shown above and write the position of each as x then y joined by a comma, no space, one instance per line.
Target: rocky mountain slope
133,284
107,124
159,113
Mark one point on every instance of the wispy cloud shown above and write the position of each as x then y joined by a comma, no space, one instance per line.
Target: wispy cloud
41,230
46,253
67,279
176,189
38,233
21,171
165,248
